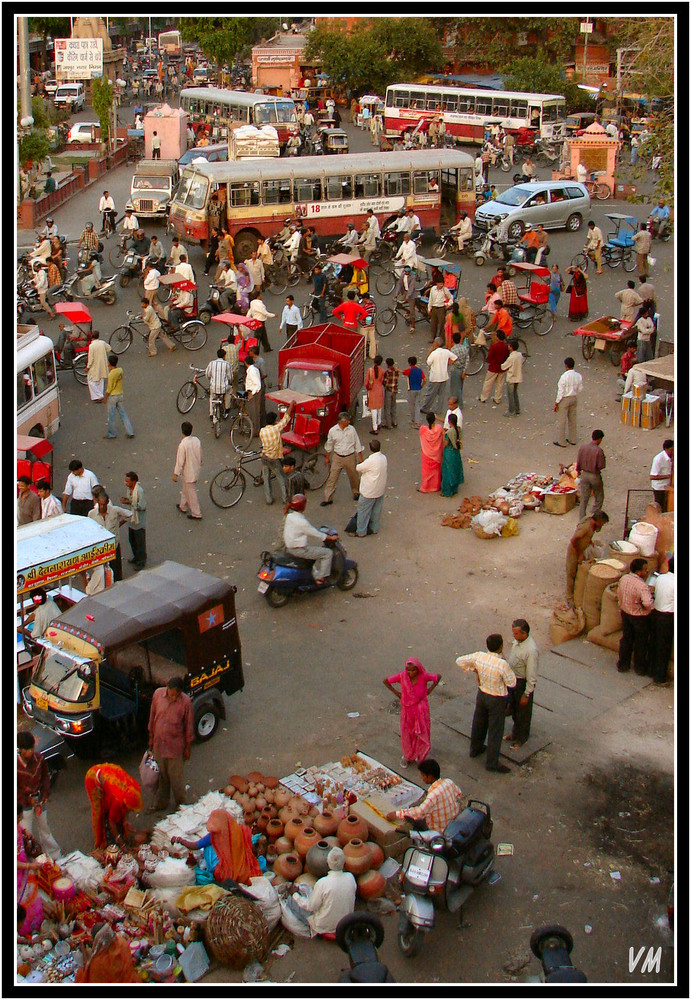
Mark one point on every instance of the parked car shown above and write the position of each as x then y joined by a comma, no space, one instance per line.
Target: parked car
50,86
152,187
556,204
83,132
70,95
214,153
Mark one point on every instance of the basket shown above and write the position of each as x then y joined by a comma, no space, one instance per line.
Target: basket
236,932
481,533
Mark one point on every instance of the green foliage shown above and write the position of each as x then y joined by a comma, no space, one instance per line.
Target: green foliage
102,103
494,42
33,147
56,27
225,38
378,52
39,111
540,76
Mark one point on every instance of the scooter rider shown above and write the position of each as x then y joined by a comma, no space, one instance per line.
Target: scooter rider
349,241
297,535
90,276
440,806
50,229
463,230
659,218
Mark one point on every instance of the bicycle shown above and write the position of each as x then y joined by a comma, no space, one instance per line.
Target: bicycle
191,335
387,320
241,429
611,255
539,317
116,254
478,355
108,227
228,485
597,189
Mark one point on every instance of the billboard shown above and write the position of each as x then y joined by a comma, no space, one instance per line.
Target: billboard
78,58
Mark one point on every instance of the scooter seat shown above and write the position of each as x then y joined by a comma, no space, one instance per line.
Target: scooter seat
295,562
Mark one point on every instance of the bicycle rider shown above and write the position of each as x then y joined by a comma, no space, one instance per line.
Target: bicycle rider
220,375
106,207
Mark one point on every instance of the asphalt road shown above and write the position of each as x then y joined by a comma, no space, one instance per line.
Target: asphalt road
422,591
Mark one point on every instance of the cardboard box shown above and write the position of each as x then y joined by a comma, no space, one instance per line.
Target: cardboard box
626,401
380,830
638,391
636,411
650,413
558,503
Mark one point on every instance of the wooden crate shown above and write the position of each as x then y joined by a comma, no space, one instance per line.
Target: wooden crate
558,503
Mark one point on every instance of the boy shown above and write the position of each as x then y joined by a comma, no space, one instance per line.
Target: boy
416,379
391,376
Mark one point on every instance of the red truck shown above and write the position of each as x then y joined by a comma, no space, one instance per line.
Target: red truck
321,369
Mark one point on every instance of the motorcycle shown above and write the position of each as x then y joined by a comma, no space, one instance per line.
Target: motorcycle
211,306
131,267
492,248
281,575
28,300
443,866
448,243
654,231
359,935
547,155
105,291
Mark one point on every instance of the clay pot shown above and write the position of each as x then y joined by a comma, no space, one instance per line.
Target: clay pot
332,841
271,810
377,854
282,845
306,879
248,817
260,802
270,782
300,805
281,797
274,829
325,823
293,827
238,782
313,812
371,884
289,866
269,796
285,814
254,776
263,821
306,838
358,856
316,862
350,828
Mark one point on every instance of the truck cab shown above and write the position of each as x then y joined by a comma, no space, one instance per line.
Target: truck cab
152,188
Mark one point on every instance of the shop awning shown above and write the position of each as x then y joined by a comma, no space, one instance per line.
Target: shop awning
662,368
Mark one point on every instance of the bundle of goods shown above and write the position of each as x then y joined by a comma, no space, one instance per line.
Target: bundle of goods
190,821
607,632
567,623
601,574
488,523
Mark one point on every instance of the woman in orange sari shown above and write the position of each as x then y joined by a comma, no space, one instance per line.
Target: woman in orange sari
113,793
227,848
432,446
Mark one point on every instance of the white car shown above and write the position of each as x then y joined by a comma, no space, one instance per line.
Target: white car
83,131
50,86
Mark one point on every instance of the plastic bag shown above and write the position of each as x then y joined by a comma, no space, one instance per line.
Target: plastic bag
148,772
510,528
291,922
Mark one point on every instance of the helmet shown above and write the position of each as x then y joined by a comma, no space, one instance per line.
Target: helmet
89,225
351,225
287,222
49,220
298,502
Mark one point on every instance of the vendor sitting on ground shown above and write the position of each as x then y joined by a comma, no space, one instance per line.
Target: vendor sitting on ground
46,611
227,850
441,804
332,898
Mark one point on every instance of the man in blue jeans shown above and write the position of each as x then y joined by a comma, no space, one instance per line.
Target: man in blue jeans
319,291
373,473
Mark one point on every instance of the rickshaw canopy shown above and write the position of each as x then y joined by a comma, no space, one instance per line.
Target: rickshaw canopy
441,264
535,270
59,547
348,258
74,311
237,319
176,281
37,446
617,217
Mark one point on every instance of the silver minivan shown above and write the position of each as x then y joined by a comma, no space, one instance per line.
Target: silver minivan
555,204
71,95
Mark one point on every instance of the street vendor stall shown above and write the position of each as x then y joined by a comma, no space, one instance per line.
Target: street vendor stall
605,334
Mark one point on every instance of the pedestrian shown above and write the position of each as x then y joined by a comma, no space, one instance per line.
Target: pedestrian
435,396
642,241
260,364
352,312
253,392
636,604
569,387
294,479
645,326
579,548
578,301
633,159
320,287
153,322
50,185
662,622
661,473
460,347
647,292
257,310
494,679
374,383
431,453
156,146
523,660
79,489
28,503
630,300
440,806
96,367
255,268
391,375
416,379
50,505
496,356
111,517
589,465
513,366
452,464
342,447
440,299
556,287
171,732
373,475
136,527
33,793
415,684
113,794
188,463
114,400
272,452
594,243
407,290
291,317
211,249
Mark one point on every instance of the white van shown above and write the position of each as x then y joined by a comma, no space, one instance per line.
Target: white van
71,95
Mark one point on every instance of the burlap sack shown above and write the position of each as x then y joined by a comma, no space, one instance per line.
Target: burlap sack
610,615
579,585
566,624
606,641
600,575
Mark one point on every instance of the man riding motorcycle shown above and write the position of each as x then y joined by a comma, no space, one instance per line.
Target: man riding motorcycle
90,276
50,229
463,230
659,219
88,240
299,538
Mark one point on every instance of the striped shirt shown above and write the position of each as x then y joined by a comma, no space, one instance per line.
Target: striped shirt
220,375
494,674
270,437
634,596
441,805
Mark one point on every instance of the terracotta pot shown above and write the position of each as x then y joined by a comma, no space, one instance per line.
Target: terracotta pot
281,797
306,879
254,776
300,805
260,803
239,783
248,817
289,866
371,884
306,838
270,782
282,845
269,796
315,861
377,854
325,823
350,828
274,829
332,841
293,827
358,856
285,814
263,821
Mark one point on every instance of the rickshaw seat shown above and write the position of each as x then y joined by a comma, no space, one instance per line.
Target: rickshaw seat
40,471
539,291
23,467
621,241
305,433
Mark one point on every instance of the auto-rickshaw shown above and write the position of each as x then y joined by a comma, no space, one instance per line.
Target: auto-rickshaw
334,140
34,459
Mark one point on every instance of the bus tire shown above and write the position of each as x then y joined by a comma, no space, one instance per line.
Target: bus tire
245,244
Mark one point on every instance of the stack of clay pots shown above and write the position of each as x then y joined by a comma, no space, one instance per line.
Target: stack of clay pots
256,795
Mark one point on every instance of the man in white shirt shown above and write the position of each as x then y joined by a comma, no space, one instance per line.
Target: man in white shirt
257,310
253,388
256,269
370,235
41,286
332,898
523,659
130,225
662,623
436,394
594,243
413,221
454,408
440,299
373,473
291,317
342,447
630,300
569,386
645,325
350,241
184,268
293,245
152,281
228,286
106,207
642,242
79,489
463,230
188,464
406,255
50,505
176,252
661,473
297,535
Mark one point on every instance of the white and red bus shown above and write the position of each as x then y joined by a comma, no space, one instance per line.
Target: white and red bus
467,110
324,191
170,44
215,108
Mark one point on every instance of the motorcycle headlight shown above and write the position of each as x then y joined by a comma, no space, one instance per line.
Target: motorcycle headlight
437,844
322,411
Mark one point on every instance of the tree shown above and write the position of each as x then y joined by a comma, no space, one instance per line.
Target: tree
225,38
56,27
542,77
102,103
33,147
495,41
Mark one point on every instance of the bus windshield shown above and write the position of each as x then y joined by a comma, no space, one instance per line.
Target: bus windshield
271,114
192,191
71,680
552,112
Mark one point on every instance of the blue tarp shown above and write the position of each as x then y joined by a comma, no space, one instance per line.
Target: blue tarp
492,81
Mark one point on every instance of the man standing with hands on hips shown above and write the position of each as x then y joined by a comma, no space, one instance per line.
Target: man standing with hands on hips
569,386
171,732
494,678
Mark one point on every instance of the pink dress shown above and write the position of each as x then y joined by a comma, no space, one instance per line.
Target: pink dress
415,723
432,445
375,389
27,891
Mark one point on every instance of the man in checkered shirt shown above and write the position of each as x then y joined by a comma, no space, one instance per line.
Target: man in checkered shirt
494,678
272,452
441,805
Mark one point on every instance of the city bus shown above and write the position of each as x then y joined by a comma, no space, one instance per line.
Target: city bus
38,396
215,109
170,44
323,191
466,110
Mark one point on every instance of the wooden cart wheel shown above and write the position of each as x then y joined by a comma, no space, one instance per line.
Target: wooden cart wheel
588,347
616,351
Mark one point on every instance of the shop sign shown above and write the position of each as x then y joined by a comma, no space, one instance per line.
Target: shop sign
78,58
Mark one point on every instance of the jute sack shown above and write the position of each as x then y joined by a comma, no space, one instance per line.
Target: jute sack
566,624
600,575
606,641
610,615
581,577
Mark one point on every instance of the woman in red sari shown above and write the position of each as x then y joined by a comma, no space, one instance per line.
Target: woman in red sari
578,287
415,723
432,446
113,793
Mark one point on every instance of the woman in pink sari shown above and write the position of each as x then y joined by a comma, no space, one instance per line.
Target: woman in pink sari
415,724
432,446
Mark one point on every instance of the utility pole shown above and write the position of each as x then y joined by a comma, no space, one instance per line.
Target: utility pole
27,118
586,29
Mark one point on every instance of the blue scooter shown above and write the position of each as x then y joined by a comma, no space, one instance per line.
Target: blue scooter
281,575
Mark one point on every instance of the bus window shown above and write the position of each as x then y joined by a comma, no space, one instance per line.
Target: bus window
243,194
43,374
338,188
465,182
483,104
551,112
396,184
25,391
417,100
307,189
519,109
433,101
535,117
400,98
285,112
500,107
466,105
450,102
193,191
276,192
367,185
421,181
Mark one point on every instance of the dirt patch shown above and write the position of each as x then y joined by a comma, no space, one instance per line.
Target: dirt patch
629,813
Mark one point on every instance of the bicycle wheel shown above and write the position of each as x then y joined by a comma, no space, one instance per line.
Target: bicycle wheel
385,282
79,368
543,321
615,352
522,347
241,432
164,293
439,249
227,487
588,347
120,339
308,316
628,260
481,320
581,260
193,335
613,258
293,278
115,256
386,322
278,280
476,359
315,470
602,191
187,397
